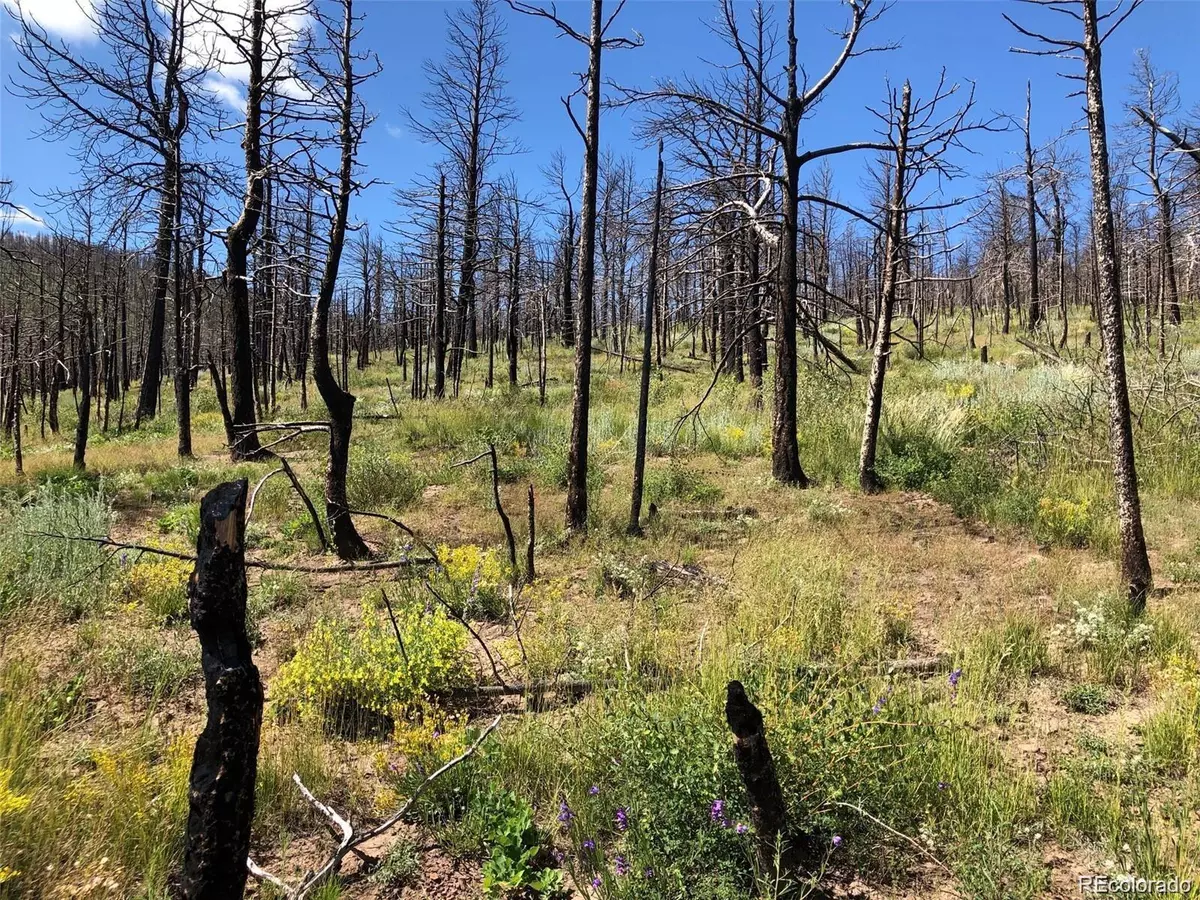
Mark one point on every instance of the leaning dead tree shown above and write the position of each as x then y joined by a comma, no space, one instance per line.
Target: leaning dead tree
923,135
639,453
1135,563
225,762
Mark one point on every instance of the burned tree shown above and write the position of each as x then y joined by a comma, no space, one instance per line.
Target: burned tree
225,762
1135,563
596,42
340,83
639,457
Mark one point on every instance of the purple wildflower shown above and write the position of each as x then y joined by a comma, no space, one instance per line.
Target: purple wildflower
955,676
593,790
622,818
597,881
717,811
741,829
559,856
837,841
649,872
942,785
565,815
621,865
589,845
881,702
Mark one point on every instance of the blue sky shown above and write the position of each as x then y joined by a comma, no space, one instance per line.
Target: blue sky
968,37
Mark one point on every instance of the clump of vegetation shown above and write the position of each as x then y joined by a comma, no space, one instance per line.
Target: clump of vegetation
350,676
399,865
1089,699
158,585
41,568
379,479
515,866
472,580
678,481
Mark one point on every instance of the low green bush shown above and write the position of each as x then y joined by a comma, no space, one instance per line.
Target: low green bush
363,677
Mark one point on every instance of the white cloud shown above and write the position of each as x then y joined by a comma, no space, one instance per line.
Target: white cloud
21,218
226,90
394,130
70,19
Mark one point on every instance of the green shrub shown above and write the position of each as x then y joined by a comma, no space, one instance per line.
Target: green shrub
679,482
913,461
158,585
1063,521
363,677
40,567
1089,699
515,864
174,485
182,519
399,865
145,664
377,479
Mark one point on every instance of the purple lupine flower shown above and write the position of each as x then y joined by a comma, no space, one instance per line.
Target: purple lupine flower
589,845
881,702
565,815
621,865
955,677
741,829
559,856
622,818
124,560
597,881
593,790
716,812
837,841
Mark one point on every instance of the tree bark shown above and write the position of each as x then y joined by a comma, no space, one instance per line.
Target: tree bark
868,479
577,452
639,455
1135,564
345,536
237,243
225,762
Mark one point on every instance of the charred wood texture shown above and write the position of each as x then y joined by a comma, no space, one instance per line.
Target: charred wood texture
221,787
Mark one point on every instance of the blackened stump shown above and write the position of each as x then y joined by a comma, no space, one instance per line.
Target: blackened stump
768,813
221,787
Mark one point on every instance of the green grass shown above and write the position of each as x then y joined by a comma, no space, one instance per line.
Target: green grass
927,778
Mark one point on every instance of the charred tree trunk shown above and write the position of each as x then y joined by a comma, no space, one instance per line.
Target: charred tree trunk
225,763
785,451
1035,299
577,451
1135,564
639,455
868,479
237,243
439,301
768,812
345,536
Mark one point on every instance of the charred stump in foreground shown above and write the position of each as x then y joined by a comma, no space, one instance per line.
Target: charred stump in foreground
778,850
768,812
221,787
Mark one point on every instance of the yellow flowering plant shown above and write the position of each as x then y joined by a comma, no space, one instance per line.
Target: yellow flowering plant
337,667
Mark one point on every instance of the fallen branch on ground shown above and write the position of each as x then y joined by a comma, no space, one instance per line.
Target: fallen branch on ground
348,839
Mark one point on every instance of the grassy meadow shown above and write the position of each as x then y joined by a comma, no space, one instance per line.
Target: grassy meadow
1048,736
